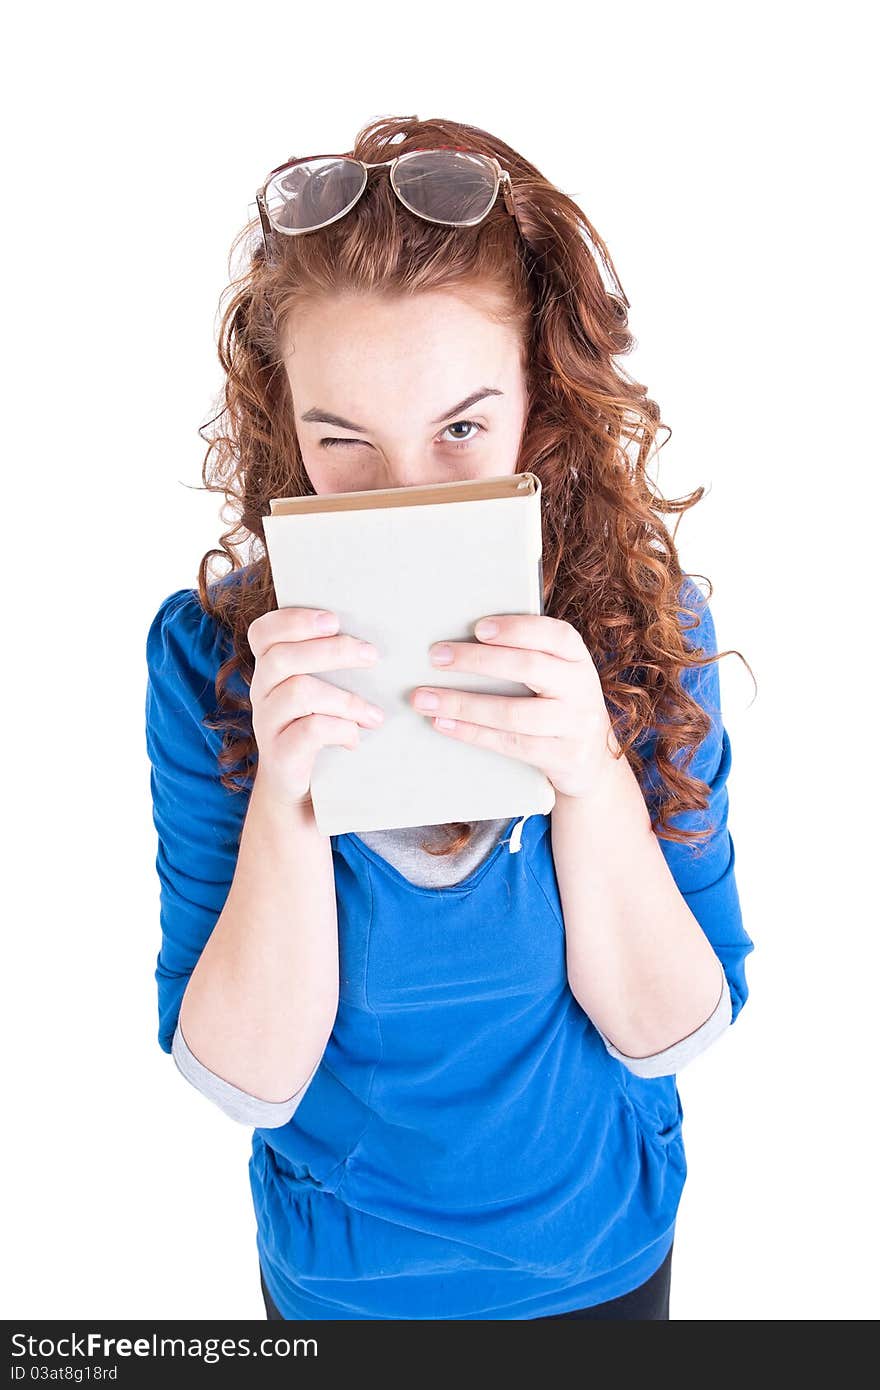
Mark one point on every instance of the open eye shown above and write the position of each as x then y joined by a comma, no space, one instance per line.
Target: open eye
471,425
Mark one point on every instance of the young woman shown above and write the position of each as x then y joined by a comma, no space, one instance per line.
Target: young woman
457,1045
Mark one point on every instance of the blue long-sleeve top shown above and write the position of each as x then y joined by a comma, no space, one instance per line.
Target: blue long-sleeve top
403,848
469,1145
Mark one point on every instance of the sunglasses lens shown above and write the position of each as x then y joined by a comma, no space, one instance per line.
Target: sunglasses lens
314,192
446,185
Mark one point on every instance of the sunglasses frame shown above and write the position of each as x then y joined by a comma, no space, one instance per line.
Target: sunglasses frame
502,181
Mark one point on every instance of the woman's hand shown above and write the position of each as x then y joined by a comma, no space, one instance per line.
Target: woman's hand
294,712
566,731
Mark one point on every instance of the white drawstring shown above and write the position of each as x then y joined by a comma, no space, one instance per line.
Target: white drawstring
515,843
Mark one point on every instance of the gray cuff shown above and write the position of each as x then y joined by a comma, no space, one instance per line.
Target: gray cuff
237,1104
673,1058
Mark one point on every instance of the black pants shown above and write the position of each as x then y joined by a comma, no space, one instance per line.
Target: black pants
650,1301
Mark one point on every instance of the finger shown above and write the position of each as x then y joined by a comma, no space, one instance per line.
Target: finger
540,752
542,633
300,696
539,717
283,659
285,625
542,673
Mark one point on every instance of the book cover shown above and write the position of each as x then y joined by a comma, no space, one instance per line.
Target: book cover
405,568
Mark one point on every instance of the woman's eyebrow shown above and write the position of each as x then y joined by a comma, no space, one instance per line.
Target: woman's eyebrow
317,415
468,402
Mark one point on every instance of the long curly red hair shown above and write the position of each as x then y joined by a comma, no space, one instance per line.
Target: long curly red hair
610,565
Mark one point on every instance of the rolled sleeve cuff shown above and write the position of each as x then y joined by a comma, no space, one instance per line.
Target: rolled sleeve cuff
237,1104
677,1055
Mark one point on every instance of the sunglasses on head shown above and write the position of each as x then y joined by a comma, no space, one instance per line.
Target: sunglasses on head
448,185
451,186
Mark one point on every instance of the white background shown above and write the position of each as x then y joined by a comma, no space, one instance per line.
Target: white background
724,154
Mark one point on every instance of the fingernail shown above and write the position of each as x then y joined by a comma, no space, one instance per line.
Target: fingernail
367,652
486,628
426,700
442,655
375,714
326,622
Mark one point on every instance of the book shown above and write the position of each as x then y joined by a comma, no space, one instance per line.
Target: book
405,568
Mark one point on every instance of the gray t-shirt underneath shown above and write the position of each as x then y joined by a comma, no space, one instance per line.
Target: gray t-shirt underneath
402,849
